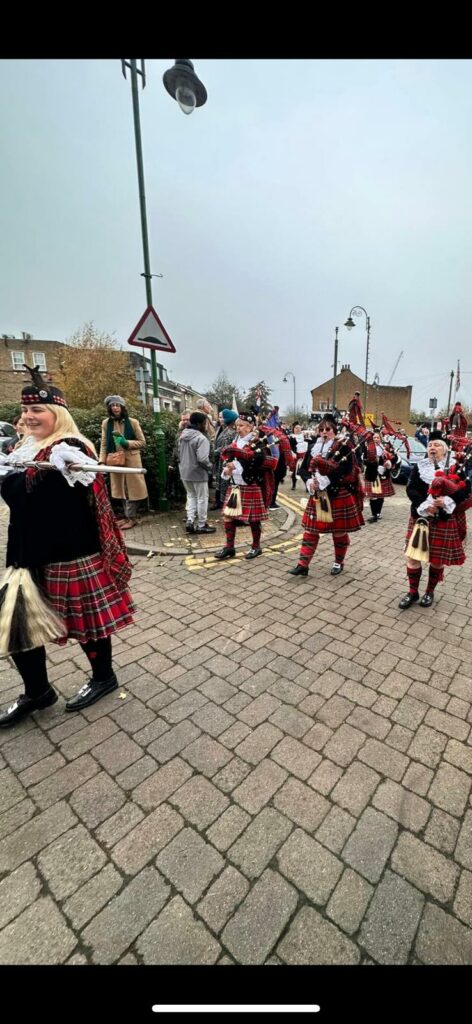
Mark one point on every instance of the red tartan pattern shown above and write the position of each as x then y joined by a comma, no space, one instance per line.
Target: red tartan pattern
85,596
388,489
445,543
461,522
253,508
347,515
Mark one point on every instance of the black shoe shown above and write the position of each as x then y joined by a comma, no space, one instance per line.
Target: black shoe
253,553
225,553
337,568
190,527
205,529
408,600
91,692
427,599
24,706
373,519
273,506
299,570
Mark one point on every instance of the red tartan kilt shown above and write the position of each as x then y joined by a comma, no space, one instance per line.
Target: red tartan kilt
445,541
253,508
86,598
464,505
461,523
388,490
347,515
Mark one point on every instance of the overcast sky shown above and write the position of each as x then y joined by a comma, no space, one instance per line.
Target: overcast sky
300,189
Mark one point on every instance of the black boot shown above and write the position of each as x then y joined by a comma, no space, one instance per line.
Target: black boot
299,570
408,600
373,519
24,706
427,599
225,553
91,692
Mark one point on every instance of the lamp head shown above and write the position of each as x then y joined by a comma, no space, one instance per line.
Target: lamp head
184,86
349,323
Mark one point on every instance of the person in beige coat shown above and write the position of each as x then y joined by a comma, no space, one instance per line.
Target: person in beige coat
121,432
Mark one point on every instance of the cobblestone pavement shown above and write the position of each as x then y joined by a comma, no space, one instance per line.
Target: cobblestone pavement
284,776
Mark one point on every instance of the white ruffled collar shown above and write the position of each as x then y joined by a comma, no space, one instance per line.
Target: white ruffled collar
427,469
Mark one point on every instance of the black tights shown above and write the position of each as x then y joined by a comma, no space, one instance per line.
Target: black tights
376,506
32,665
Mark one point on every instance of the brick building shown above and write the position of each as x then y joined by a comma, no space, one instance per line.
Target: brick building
14,352
394,402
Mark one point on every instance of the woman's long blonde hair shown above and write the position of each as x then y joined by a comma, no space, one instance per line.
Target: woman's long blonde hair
65,427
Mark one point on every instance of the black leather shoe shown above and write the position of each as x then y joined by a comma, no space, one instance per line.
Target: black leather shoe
408,600
190,528
24,706
91,692
225,553
205,529
253,553
427,600
299,570
373,519
337,568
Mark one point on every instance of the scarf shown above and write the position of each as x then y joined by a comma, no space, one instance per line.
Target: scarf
128,432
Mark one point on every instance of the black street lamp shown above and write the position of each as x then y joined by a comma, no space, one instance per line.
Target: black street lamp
183,85
292,375
358,311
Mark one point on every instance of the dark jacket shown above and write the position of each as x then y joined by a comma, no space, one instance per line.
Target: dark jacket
417,491
51,523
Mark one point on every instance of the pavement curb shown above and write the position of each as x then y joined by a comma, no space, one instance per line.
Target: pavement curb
145,549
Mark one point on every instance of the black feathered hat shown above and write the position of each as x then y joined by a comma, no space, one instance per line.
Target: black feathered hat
40,392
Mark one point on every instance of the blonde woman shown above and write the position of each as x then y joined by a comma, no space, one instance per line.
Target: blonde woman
63,531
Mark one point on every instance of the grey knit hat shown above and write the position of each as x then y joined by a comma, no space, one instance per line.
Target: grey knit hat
115,399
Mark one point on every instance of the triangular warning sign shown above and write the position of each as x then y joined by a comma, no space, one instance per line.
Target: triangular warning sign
151,333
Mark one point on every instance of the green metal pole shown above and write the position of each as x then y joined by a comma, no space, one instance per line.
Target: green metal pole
163,503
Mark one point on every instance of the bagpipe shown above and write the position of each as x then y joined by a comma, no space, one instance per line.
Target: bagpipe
346,449
252,457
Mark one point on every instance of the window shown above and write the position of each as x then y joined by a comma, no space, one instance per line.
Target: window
323,406
39,359
18,359
167,405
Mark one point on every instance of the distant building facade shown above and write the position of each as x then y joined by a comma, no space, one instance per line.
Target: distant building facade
393,401
173,397
15,352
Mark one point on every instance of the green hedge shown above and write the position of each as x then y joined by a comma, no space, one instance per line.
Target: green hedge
89,422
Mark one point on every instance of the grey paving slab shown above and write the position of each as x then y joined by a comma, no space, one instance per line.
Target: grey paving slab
288,779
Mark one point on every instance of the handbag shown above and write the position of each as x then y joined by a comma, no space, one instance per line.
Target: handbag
117,458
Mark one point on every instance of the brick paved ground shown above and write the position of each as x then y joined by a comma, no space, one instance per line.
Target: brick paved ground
284,776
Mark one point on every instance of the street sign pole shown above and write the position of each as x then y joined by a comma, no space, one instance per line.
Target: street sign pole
163,503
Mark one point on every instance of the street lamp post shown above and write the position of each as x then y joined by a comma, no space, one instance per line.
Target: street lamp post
292,375
335,365
358,311
184,86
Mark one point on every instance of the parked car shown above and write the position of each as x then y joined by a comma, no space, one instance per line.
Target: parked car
8,436
417,452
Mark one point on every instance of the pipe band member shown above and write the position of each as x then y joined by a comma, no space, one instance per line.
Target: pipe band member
67,567
380,459
249,465
436,527
333,506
